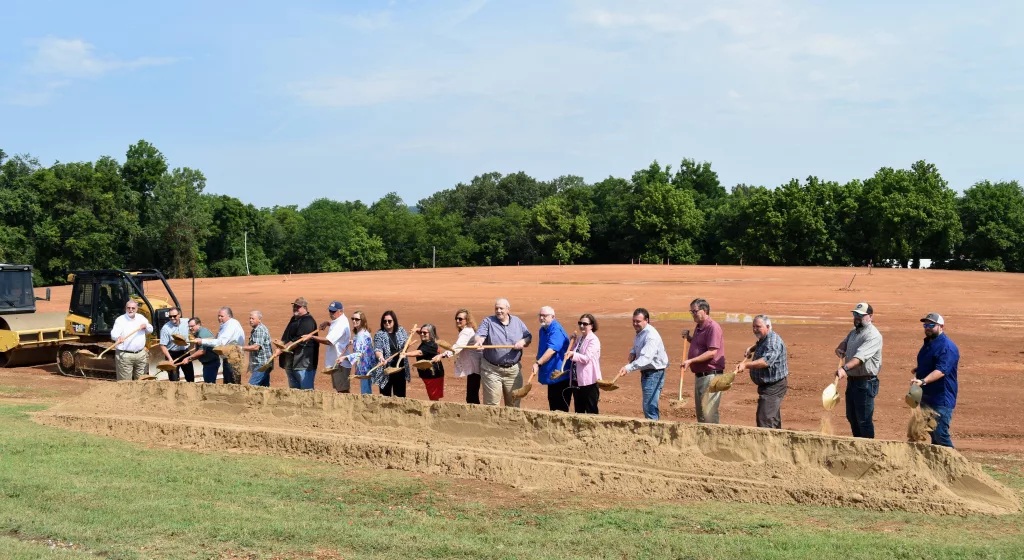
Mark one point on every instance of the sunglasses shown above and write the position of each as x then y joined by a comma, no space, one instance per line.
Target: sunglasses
174,316
929,325
388,322
425,333
582,324
460,319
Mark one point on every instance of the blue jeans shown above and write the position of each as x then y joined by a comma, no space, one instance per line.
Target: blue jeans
366,386
261,378
860,405
651,383
940,436
210,370
301,378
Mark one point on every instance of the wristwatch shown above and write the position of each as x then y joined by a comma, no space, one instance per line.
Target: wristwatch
923,382
846,369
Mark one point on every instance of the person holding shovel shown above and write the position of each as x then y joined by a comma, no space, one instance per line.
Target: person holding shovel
174,351
129,336
388,343
230,333
501,372
260,351
585,371
300,364
861,351
769,371
209,360
706,359
467,360
935,373
433,377
362,344
339,335
551,348
650,358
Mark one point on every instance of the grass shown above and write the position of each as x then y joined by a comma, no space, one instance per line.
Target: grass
20,392
86,495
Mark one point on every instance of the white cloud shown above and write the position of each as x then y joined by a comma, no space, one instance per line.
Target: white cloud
56,63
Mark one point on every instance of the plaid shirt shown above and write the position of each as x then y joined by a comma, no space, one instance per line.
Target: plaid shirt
260,335
773,350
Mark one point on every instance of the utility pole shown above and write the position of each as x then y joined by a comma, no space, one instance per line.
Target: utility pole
434,261
245,246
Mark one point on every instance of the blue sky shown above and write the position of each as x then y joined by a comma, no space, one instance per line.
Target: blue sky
283,104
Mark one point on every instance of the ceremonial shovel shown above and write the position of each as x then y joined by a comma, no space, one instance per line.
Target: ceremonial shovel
830,396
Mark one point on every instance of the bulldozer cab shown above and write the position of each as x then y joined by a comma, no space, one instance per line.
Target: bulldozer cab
16,292
98,297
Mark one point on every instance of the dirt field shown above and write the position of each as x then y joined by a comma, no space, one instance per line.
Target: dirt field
984,314
546,451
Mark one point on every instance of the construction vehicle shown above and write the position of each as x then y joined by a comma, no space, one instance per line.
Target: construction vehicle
26,337
98,298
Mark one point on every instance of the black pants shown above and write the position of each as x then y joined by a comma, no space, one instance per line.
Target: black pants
559,395
473,388
769,404
395,385
585,399
860,405
185,369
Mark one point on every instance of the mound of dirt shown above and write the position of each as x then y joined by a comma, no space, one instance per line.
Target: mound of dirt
542,450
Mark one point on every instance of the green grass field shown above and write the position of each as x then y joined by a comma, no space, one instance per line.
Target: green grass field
71,495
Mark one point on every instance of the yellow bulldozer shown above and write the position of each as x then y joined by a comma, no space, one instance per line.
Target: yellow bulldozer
98,297
26,337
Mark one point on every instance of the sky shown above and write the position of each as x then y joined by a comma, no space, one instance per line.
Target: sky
283,104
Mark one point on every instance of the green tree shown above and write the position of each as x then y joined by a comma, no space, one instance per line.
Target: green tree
181,223
992,215
562,222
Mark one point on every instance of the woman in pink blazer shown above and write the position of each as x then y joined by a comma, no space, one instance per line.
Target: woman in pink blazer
586,367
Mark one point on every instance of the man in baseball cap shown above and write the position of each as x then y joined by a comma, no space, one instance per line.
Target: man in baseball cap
861,354
935,373
339,334
300,363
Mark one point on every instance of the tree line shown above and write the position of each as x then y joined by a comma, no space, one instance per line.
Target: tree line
143,214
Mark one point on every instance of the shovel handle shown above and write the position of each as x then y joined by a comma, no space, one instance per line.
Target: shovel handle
483,347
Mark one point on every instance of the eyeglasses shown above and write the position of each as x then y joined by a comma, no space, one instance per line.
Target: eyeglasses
174,316
929,325
459,319
296,306
388,322
582,324
425,333
544,315
694,311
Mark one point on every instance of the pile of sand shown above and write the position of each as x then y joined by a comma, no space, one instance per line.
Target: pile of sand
551,451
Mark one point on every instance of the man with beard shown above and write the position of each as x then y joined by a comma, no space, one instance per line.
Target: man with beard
768,370
861,351
300,364
129,336
937,364
554,342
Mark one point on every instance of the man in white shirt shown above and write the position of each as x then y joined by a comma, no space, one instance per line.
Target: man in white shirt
339,335
129,336
649,356
231,332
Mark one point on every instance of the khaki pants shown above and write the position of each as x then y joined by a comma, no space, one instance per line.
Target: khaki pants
341,380
705,402
499,382
131,365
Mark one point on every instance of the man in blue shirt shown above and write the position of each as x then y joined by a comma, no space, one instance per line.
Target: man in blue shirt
936,375
550,353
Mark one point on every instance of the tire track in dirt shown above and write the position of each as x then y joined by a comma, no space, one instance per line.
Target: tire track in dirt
541,450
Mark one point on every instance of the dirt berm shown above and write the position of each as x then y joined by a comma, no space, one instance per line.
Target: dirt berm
542,450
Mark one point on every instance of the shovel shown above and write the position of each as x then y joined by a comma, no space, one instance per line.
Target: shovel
483,347
180,340
282,348
830,396
398,368
914,395
112,346
444,344
686,352
350,357
525,389
169,366
724,382
608,385
557,374
423,365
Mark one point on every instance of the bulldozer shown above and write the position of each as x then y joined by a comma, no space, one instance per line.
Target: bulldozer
98,297
26,337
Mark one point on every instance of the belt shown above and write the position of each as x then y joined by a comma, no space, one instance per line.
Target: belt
707,373
130,351
501,365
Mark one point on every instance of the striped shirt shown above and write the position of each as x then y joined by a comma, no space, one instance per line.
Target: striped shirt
773,351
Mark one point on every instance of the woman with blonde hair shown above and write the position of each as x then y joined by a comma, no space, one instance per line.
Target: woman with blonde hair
362,344
467,360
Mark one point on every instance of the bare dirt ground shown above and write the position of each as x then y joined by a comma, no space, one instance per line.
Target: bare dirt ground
984,314
540,450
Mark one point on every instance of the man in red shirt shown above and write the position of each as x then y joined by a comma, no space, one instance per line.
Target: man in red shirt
706,359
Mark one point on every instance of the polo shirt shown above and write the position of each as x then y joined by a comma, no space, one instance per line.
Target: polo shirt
703,339
552,337
496,334
939,354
